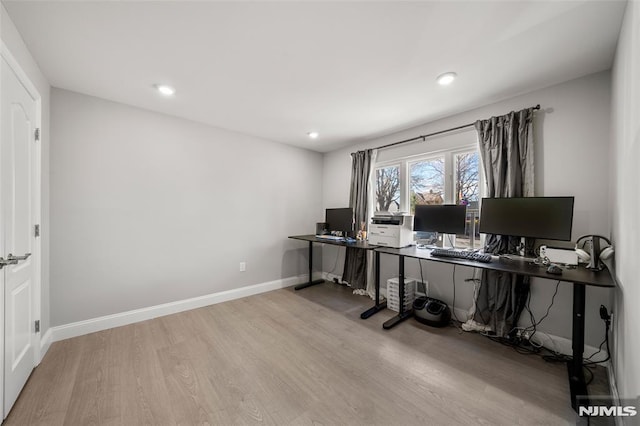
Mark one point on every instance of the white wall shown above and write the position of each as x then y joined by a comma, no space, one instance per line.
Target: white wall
572,158
625,178
12,39
148,209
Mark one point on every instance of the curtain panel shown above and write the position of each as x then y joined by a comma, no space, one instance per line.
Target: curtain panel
506,148
355,261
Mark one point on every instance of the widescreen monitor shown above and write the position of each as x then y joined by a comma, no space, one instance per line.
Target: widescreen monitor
443,218
339,219
549,218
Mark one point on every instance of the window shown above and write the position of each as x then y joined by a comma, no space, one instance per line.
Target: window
451,177
467,192
388,189
426,182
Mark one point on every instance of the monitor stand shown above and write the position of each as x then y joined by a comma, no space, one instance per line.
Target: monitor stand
522,247
445,241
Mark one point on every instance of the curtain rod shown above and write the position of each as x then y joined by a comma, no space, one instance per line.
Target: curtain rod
423,137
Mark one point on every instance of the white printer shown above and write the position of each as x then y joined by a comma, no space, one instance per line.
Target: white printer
391,229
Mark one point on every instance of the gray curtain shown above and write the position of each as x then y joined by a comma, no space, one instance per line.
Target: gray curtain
506,148
355,261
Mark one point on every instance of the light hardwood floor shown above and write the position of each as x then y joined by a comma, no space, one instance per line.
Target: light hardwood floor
290,358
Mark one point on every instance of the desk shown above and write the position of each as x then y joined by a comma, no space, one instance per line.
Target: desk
362,245
580,277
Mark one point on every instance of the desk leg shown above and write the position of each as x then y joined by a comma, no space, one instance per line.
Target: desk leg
378,306
310,282
402,314
576,373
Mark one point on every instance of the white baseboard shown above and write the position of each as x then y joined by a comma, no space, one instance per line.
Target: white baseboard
559,344
54,334
93,325
564,345
331,277
613,385
45,343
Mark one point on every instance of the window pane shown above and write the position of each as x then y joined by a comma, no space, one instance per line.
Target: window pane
426,182
388,189
467,172
467,187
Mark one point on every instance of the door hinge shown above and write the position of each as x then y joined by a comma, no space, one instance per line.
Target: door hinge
37,134
36,230
38,326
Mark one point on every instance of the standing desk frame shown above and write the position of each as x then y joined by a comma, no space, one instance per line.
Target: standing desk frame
580,277
362,245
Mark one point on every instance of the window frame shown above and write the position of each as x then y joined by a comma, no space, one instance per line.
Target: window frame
447,174
376,167
449,155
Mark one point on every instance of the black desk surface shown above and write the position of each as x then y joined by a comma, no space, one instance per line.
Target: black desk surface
357,244
579,275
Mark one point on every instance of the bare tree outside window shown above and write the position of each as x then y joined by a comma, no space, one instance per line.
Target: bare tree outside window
467,187
388,188
427,182
452,177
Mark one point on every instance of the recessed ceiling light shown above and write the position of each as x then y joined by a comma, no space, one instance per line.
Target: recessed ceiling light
446,78
313,135
165,90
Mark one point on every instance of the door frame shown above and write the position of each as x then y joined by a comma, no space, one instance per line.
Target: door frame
22,76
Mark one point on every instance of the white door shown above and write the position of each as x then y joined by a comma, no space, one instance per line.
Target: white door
17,127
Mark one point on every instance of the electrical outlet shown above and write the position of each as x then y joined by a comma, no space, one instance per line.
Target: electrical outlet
422,286
243,266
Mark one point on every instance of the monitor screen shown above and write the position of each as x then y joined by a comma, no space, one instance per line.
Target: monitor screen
339,219
549,218
444,218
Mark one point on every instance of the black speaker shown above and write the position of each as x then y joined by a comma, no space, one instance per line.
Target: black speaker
321,228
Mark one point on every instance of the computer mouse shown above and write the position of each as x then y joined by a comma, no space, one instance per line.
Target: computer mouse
554,269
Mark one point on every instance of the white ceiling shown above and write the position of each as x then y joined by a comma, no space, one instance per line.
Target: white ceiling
349,70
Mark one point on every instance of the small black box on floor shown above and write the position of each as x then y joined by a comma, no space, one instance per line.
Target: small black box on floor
430,311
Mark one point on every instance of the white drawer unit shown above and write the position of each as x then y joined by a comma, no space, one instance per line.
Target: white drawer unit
393,294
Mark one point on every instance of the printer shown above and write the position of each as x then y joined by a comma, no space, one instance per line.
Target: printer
391,229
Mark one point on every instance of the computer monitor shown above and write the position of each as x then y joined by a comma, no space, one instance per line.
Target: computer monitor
549,218
443,218
339,219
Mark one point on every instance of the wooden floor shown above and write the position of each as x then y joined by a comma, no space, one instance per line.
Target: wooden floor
290,358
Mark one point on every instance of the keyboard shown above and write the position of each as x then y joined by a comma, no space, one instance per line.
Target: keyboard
330,237
460,254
